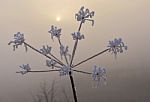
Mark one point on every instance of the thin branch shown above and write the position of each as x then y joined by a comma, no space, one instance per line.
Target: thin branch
42,53
82,72
55,58
73,53
37,71
80,26
90,58
75,45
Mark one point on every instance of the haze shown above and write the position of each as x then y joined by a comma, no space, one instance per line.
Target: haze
128,75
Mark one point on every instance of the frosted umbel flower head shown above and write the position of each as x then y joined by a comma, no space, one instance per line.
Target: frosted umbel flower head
51,63
77,36
84,14
18,40
117,45
25,69
46,50
64,51
99,74
55,31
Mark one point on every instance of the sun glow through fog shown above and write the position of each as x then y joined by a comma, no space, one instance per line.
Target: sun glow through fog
58,19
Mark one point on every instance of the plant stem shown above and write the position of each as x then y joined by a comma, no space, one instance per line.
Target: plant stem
36,71
82,71
42,53
90,58
75,45
73,87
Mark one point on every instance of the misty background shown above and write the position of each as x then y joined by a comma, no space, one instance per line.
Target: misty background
128,75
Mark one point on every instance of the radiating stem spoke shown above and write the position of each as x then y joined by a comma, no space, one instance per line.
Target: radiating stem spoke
82,71
41,53
38,71
90,58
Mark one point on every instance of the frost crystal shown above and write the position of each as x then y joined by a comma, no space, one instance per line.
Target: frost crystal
116,46
25,69
18,40
83,15
51,63
55,32
77,35
64,51
99,74
46,50
65,70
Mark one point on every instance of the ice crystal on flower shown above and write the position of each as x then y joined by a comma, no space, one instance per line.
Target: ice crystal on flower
99,74
64,51
25,69
116,46
84,14
55,32
46,50
77,35
51,63
18,40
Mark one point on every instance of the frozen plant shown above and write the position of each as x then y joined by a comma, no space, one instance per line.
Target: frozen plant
51,63
64,51
18,40
84,14
46,50
116,46
65,70
99,74
77,35
24,69
55,32
68,68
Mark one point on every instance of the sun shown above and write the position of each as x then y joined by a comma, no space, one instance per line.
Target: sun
58,19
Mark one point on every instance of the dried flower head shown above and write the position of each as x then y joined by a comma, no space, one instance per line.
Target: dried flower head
84,14
25,69
18,40
116,46
55,32
77,35
64,51
99,74
51,63
46,50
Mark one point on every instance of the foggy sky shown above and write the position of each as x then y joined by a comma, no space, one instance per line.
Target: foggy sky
128,75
